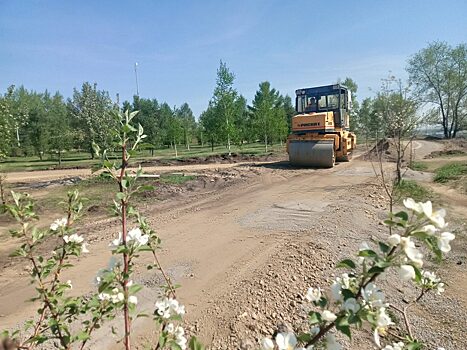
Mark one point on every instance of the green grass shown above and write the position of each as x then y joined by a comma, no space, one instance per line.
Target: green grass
419,166
84,160
412,189
448,172
175,179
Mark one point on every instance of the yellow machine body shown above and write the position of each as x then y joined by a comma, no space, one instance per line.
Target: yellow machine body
319,138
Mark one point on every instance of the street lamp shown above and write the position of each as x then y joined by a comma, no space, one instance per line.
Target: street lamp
136,77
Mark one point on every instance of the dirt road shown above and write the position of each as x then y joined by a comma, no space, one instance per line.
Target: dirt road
50,175
245,255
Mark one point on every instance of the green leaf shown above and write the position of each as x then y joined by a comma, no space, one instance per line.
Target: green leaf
127,128
195,344
347,294
135,289
304,337
314,317
384,247
82,336
389,222
414,345
345,330
347,263
367,253
402,215
418,274
376,269
120,195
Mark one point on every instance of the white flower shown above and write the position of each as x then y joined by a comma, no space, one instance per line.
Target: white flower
352,305
116,242
331,343
373,296
336,292
134,237
343,282
103,296
74,238
437,217
427,208
394,240
170,328
440,288
328,316
179,334
137,237
314,331
411,252
313,294
68,283
132,299
394,346
443,241
84,248
98,279
118,297
364,246
267,344
58,223
168,307
382,319
430,229
407,272
409,203
286,341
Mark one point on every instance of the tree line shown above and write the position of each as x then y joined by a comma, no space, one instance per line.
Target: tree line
37,123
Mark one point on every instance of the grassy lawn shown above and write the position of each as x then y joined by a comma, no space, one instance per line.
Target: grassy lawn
99,191
419,166
412,189
449,172
84,160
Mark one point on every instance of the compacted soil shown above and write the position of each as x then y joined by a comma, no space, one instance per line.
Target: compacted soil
248,243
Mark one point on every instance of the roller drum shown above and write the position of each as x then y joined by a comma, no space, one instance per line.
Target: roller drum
312,153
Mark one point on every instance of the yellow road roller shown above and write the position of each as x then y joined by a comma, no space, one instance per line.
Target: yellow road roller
320,130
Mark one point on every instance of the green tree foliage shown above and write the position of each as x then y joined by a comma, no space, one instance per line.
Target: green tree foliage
289,110
225,106
354,113
398,110
269,115
149,117
439,73
210,126
187,121
60,133
90,109
7,122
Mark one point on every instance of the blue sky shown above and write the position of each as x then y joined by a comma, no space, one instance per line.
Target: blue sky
57,45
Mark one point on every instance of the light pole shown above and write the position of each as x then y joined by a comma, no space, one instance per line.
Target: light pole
136,77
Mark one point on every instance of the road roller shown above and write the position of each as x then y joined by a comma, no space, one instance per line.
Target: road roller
320,133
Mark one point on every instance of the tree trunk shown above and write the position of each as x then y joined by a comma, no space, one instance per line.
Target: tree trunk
175,148
228,143
59,158
212,145
266,142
